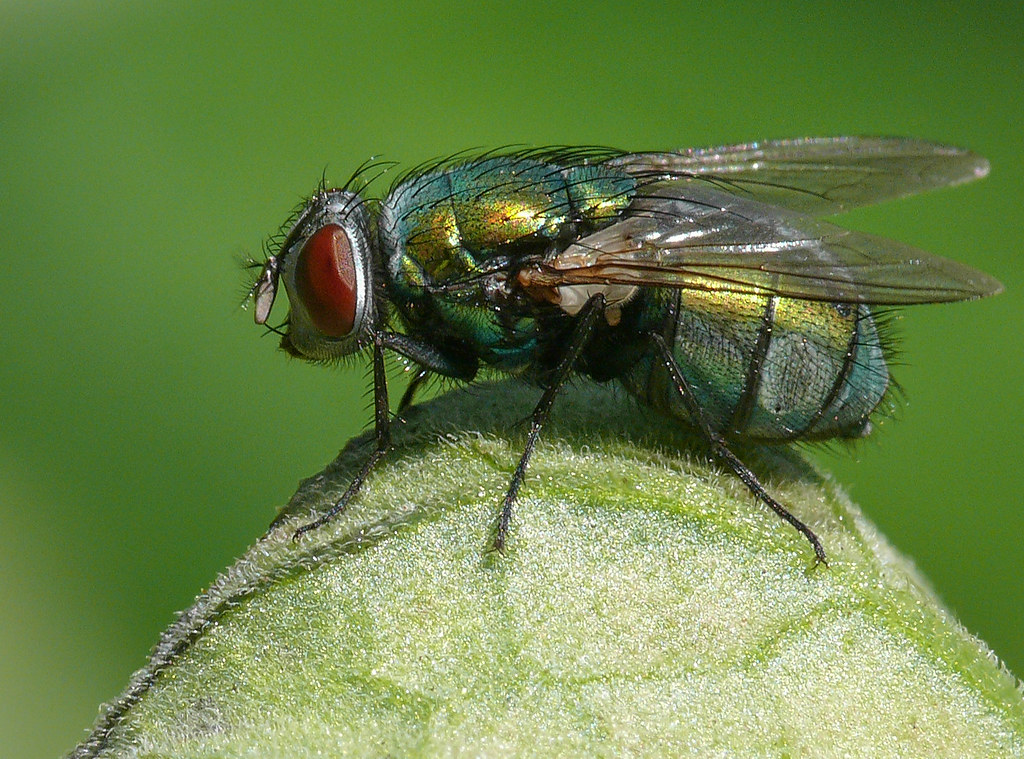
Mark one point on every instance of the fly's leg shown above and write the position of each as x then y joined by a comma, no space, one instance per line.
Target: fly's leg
382,428
410,392
582,330
430,360
722,451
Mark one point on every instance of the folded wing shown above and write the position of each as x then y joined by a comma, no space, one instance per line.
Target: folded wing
818,176
682,234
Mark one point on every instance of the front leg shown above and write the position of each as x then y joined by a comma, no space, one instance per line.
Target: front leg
382,429
587,317
431,360
447,363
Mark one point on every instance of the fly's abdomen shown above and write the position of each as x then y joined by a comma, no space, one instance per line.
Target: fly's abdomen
768,369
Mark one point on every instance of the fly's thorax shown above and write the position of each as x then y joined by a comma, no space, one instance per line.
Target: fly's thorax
448,224
766,368
464,301
453,239
326,264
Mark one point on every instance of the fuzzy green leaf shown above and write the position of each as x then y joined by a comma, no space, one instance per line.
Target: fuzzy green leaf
646,605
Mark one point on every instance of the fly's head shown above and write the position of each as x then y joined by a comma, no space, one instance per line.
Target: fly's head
326,265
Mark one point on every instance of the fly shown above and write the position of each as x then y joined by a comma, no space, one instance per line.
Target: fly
704,281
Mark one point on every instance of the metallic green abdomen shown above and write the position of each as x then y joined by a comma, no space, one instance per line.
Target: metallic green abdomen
452,226
767,369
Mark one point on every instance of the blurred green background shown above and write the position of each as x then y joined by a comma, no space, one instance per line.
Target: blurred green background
149,432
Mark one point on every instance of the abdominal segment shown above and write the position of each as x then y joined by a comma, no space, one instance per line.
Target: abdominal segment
767,368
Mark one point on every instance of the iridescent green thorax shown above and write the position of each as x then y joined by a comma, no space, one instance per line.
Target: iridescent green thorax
452,227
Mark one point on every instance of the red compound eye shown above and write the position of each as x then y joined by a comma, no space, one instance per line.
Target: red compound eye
325,278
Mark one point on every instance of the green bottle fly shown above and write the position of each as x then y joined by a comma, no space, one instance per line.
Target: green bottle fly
704,281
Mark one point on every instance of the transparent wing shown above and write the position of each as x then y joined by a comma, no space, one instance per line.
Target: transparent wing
817,176
692,236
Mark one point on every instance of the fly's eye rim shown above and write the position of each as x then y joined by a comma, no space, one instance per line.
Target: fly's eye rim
344,209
